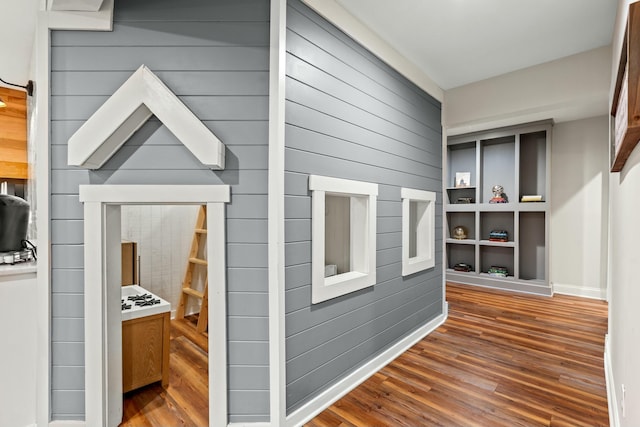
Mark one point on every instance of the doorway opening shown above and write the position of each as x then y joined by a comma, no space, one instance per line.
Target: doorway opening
103,206
164,285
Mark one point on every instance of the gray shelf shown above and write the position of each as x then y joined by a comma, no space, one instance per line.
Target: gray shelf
517,158
461,241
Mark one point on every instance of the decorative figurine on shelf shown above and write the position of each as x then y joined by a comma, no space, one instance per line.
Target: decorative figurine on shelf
498,195
459,233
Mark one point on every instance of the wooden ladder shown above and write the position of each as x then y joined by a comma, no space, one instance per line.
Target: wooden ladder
187,290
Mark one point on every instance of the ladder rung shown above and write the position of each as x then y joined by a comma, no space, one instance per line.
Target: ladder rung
193,293
198,261
201,230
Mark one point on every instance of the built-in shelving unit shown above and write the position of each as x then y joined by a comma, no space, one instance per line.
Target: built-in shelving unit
518,159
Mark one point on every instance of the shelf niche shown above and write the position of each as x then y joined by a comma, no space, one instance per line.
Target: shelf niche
518,159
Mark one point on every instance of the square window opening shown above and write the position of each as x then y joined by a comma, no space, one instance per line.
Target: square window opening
418,230
343,236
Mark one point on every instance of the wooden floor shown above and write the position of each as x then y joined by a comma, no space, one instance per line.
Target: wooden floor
186,401
501,359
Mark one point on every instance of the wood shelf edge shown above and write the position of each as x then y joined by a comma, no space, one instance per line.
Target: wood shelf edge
629,142
629,61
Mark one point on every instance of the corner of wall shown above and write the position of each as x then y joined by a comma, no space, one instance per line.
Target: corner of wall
342,19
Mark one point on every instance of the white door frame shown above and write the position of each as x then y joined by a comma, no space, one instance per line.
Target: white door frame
103,334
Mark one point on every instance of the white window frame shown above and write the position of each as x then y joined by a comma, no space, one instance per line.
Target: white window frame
363,197
425,235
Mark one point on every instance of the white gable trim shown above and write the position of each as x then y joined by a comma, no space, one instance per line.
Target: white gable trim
140,97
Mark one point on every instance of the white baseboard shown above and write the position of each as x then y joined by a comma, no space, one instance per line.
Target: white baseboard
614,418
67,424
344,386
259,424
579,291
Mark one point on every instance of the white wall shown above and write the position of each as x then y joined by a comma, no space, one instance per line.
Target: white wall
624,295
18,354
567,89
579,207
624,316
164,235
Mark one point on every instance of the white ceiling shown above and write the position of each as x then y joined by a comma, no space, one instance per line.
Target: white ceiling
17,31
455,42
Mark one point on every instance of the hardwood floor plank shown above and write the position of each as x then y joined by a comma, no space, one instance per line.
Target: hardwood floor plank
501,359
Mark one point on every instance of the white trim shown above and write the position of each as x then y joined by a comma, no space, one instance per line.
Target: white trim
43,293
342,19
275,201
351,381
363,208
425,231
75,5
444,172
103,370
580,291
131,105
342,186
614,417
217,267
101,20
248,424
67,424
90,21
155,194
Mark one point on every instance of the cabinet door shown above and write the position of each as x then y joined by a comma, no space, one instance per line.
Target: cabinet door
144,347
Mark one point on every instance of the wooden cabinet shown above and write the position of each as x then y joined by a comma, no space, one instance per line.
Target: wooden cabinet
13,135
517,159
145,351
129,263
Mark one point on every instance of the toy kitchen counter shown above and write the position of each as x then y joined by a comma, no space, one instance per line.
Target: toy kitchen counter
145,338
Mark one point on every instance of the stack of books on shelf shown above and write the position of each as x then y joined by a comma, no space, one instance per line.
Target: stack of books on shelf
498,236
462,267
497,271
531,198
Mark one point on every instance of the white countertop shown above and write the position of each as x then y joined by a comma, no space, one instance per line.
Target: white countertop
18,268
135,312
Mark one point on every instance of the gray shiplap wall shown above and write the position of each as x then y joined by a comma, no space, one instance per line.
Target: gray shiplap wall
349,115
214,55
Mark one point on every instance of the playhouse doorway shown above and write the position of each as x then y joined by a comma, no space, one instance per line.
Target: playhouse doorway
103,303
164,315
